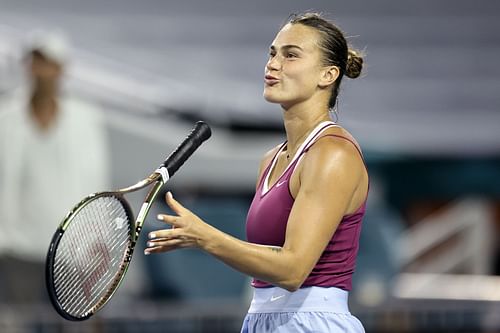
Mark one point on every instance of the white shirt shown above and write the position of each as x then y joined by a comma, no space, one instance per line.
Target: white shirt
44,174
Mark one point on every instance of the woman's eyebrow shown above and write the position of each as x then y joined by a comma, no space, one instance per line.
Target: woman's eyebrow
286,47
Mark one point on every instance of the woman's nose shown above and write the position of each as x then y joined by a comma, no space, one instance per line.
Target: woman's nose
273,63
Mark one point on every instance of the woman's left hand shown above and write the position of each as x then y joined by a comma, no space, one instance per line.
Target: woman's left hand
188,230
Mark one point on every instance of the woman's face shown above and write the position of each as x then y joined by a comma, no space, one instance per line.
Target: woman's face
294,68
44,70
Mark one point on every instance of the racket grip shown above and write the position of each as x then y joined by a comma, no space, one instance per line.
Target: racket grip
200,133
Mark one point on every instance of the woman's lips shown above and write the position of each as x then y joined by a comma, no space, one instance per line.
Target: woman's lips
270,80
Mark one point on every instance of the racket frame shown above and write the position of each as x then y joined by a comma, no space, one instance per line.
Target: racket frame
135,229
200,133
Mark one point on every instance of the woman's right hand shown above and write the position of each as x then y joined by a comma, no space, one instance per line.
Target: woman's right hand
187,230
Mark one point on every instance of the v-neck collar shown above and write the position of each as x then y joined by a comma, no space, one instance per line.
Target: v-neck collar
315,132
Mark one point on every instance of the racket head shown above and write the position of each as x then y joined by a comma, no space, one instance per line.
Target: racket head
89,255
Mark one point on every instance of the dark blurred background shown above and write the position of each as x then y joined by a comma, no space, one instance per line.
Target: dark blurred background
426,112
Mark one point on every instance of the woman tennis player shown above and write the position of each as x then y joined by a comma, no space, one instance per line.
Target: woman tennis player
304,223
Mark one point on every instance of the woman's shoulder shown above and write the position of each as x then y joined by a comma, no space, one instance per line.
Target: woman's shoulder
335,153
336,139
340,132
335,143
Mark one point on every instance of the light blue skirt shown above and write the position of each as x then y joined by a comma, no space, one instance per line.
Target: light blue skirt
311,309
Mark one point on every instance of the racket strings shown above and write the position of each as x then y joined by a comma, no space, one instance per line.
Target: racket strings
86,271
92,274
90,255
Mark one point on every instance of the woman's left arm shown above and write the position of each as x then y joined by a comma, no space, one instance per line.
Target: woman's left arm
329,177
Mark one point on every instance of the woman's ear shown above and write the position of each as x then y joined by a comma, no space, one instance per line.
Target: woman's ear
328,76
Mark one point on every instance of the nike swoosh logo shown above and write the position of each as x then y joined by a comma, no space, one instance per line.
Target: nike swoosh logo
278,184
275,298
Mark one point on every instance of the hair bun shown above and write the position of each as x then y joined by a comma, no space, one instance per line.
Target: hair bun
354,64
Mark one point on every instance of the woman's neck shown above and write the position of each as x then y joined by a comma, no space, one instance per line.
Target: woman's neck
299,122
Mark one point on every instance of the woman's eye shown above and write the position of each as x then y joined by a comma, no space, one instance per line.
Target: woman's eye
291,55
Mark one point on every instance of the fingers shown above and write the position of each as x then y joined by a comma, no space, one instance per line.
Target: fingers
159,235
174,204
164,240
163,246
176,237
174,221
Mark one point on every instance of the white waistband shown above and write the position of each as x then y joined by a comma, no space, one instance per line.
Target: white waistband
307,299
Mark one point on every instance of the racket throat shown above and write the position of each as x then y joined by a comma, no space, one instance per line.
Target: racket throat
140,220
143,212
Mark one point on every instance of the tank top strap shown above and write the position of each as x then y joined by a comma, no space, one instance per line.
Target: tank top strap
313,137
357,149
264,183
288,173
270,166
341,137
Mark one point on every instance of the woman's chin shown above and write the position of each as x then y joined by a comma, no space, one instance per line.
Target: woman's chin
270,98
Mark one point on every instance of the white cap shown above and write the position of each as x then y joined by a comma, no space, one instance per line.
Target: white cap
51,44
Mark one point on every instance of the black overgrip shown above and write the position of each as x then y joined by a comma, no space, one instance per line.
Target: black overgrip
200,133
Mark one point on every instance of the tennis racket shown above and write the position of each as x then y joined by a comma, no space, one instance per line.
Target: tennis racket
91,250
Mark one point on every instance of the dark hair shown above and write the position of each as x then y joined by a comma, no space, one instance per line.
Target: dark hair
335,49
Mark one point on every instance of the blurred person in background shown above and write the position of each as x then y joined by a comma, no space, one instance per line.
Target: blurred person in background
9,69
53,151
304,223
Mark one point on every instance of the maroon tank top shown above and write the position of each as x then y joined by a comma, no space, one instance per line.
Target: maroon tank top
268,215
